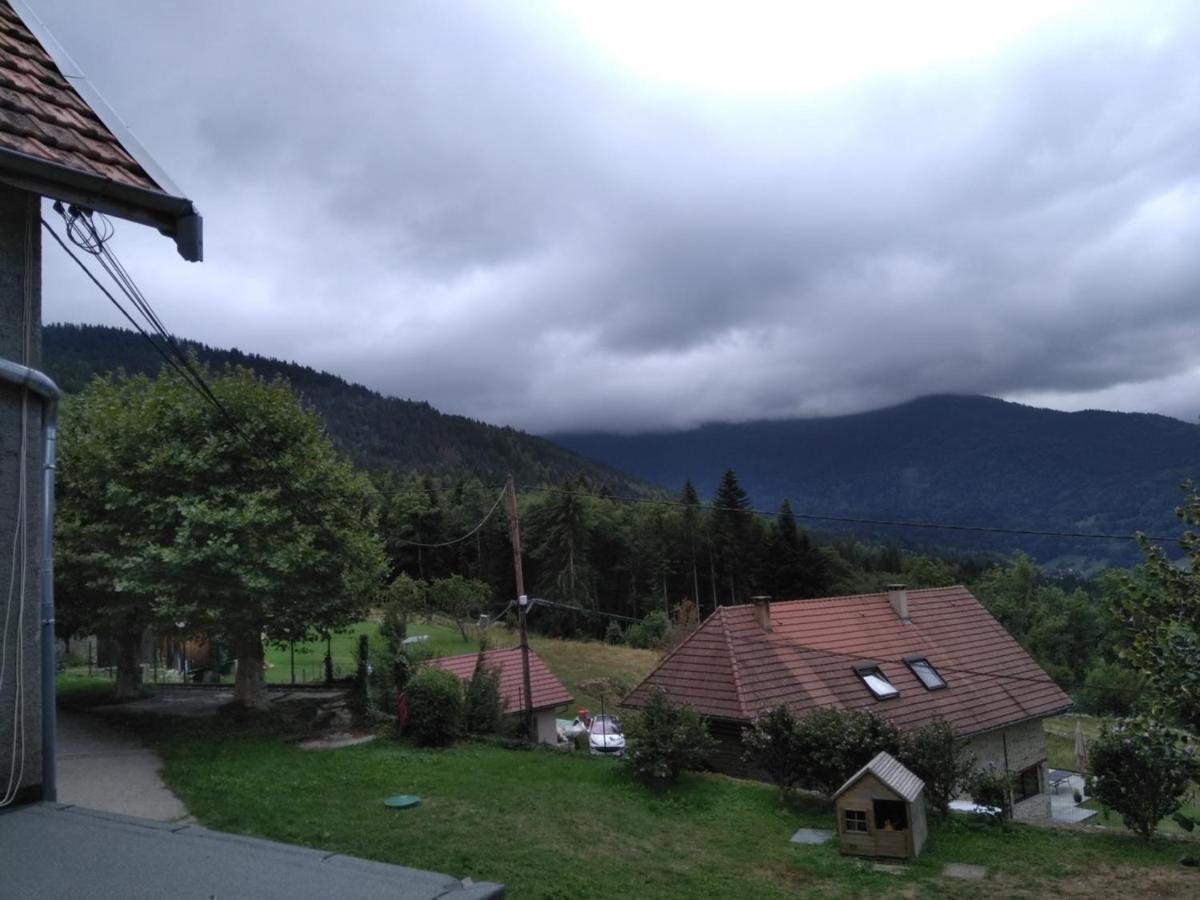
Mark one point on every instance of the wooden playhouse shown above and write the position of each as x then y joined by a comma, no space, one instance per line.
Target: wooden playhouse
881,810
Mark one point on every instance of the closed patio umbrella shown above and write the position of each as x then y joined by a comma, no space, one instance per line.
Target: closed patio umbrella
1081,754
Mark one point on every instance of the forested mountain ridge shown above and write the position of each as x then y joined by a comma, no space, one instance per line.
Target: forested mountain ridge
964,460
379,433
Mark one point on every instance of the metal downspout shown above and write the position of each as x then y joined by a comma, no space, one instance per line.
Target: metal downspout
25,377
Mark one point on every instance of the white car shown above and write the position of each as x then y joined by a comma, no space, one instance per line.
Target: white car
605,737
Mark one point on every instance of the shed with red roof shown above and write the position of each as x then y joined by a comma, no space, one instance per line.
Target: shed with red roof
549,694
910,656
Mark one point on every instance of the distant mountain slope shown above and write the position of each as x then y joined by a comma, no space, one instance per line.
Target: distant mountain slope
954,459
378,432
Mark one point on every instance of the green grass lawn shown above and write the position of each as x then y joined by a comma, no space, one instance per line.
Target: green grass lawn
552,824
310,656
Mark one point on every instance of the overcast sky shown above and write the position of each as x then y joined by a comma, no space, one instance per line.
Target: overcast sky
629,215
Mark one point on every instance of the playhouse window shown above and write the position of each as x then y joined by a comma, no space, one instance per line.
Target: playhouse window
877,682
856,820
891,815
924,670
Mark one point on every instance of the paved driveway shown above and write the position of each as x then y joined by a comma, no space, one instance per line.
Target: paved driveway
102,767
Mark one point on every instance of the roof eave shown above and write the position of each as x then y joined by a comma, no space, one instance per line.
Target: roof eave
175,217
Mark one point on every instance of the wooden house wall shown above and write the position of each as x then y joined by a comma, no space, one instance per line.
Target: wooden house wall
877,842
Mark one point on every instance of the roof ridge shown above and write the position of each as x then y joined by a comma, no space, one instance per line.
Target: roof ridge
733,664
870,594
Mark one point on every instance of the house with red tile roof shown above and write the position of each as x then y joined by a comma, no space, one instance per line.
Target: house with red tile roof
549,694
910,656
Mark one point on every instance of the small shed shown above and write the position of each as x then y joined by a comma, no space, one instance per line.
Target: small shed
881,810
549,693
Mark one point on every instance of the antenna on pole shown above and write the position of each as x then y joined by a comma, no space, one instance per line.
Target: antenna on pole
514,531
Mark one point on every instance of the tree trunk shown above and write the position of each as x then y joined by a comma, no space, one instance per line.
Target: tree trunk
250,688
129,665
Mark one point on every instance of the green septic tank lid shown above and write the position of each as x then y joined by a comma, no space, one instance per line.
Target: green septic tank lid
402,801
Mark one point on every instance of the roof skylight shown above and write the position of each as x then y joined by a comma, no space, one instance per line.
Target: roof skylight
877,682
925,672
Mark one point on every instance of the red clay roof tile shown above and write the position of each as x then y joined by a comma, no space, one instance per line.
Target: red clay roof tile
42,115
548,691
730,668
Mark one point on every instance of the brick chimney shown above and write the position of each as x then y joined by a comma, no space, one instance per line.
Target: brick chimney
898,598
762,612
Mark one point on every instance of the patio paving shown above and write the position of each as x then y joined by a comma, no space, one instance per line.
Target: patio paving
812,836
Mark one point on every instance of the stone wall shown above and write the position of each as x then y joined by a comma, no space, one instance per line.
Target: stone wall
1015,749
20,239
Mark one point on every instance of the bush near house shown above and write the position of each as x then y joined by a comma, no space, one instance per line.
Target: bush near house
1143,770
435,707
665,739
774,745
839,742
992,787
938,756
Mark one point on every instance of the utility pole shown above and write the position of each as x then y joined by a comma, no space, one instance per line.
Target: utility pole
514,531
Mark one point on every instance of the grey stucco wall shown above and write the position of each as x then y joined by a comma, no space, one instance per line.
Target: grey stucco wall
1015,749
19,233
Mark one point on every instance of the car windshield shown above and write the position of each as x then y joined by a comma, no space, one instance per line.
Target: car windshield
605,725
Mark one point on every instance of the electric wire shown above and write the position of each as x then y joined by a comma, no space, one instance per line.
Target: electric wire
854,520
89,239
859,659
93,241
457,540
20,551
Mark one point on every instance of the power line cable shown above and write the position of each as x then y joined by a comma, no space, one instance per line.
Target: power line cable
855,520
458,540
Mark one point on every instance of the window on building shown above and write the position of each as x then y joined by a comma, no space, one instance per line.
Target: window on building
891,815
925,672
1029,784
876,681
856,820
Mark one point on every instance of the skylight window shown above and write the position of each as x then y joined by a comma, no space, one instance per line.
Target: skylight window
924,670
877,682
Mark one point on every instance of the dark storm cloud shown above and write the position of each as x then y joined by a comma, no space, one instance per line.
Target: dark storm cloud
461,203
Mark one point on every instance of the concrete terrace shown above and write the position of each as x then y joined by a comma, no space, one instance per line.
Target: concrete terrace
56,850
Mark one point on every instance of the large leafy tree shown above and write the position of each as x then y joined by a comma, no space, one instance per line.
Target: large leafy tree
100,521
1160,611
240,523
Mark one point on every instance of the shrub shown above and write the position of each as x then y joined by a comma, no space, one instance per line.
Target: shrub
635,636
939,757
838,742
435,706
1142,770
992,787
657,625
482,704
613,634
773,744
665,739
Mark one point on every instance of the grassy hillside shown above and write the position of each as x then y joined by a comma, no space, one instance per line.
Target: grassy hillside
379,433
